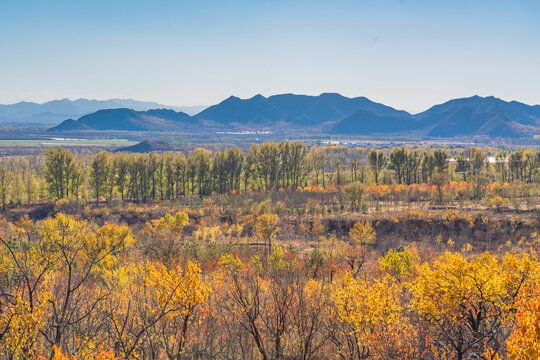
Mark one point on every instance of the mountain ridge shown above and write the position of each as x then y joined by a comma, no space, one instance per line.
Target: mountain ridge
328,113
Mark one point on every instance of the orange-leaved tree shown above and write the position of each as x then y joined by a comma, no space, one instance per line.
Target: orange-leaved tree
524,343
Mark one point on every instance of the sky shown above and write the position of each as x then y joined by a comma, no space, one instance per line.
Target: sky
409,54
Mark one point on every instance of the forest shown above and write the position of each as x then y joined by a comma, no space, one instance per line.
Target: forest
278,251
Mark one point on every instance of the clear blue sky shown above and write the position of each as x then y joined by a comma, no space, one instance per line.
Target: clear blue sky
408,54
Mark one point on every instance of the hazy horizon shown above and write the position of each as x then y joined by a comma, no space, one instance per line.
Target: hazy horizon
406,54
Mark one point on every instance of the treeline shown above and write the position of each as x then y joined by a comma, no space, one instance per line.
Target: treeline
269,166
72,290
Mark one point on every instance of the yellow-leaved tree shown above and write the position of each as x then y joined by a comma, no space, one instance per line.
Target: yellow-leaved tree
178,293
362,235
24,264
153,307
467,303
82,257
261,296
266,227
399,262
164,235
52,280
367,318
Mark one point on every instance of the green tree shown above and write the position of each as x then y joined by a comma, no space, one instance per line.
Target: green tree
59,171
121,164
99,174
354,192
318,160
441,160
427,165
5,181
397,162
376,161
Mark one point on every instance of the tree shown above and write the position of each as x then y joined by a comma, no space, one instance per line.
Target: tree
360,311
168,175
267,227
530,164
376,161
397,162
354,192
80,256
261,297
22,296
465,302
462,167
362,234
268,164
355,166
99,174
181,174
399,262
178,293
308,319
121,164
441,160
5,181
243,298
165,233
54,289
476,158
501,165
59,171
524,343
234,162
336,165
427,165
298,163
439,180
318,160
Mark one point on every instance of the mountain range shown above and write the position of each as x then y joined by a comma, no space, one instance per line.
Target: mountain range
328,113
52,112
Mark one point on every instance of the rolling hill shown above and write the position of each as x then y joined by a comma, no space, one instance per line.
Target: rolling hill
127,120
327,113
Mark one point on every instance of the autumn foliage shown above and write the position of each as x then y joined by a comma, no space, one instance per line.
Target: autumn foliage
73,290
282,252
